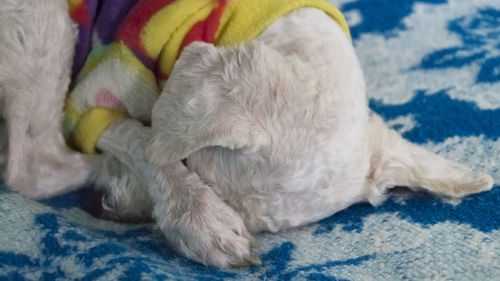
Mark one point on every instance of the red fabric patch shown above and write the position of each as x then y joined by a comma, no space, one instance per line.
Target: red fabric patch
80,14
204,31
136,20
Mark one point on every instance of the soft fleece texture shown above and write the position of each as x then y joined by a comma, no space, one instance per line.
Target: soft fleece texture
142,39
433,71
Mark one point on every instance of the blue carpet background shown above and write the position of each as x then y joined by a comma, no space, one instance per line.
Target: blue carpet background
433,72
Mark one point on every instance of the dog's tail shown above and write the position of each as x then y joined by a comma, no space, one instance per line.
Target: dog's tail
397,162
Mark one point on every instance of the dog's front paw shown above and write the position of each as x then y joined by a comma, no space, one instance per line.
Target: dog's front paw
209,232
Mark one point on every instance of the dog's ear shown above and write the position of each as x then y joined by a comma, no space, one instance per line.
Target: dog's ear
197,109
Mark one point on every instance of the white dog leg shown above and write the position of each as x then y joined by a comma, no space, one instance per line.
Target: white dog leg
194,220
36,48
397,162
3,146
124,199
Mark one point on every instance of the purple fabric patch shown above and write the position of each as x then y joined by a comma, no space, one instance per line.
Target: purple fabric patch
111,14
148,62
82,48
84,43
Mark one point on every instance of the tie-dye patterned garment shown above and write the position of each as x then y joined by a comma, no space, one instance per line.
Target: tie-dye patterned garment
127,49
433,72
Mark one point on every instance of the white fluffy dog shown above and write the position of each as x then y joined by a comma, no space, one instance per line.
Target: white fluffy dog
276,132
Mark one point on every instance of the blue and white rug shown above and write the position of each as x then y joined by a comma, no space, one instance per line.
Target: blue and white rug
433,71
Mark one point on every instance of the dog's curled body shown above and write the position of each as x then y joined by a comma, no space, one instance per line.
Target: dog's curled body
298,142
306,157
276,132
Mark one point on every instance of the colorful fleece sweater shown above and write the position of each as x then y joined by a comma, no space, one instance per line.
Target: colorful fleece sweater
127,48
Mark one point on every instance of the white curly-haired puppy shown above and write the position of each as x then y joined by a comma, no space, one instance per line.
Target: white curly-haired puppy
275,130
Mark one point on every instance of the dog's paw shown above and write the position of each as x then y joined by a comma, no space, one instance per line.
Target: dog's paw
467,183
474,182
209,232
41,174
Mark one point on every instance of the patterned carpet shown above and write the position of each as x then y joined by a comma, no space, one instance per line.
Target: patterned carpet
433,72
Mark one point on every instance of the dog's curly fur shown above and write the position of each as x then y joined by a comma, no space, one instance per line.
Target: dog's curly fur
277,133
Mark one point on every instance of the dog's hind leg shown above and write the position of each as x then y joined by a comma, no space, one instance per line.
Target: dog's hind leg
37,41
397,162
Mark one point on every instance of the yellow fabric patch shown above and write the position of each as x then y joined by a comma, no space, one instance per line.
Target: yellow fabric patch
244,20
162,37
71,113
171,50
90,126
73,3
163,25
71,116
